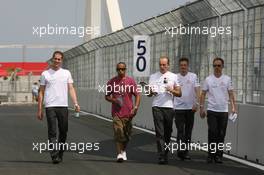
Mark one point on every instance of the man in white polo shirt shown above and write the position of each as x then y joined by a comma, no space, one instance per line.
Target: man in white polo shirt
220,90
54,85
186,106
163,86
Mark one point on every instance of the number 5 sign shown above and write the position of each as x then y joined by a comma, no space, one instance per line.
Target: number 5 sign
141,64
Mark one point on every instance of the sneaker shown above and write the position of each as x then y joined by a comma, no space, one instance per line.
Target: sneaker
124,155
120,158
56,160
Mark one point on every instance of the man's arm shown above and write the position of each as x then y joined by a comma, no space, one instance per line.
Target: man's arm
176,91
202,100
111,99
40,102
232,101
150,92
151,87
137,102
197,99
73,97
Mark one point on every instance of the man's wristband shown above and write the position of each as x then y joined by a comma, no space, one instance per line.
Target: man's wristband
135,107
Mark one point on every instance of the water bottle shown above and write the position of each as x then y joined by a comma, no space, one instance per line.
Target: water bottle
76,113
120,99
232,117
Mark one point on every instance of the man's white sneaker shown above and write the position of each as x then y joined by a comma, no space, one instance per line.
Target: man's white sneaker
124,155
120,158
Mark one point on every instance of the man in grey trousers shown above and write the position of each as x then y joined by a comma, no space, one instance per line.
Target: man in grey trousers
54,86
164,86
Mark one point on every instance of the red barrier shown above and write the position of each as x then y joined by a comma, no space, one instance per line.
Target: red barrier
36,68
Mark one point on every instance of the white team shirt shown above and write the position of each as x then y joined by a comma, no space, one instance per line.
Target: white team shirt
188,84
157,81
217,89
35,88
56,87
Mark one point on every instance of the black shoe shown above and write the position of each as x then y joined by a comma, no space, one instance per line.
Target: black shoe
181,155
166,159
60,157
209,159
218,159
187,156
56,160
166,162
163,161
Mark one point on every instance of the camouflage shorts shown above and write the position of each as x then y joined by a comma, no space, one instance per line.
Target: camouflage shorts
122,129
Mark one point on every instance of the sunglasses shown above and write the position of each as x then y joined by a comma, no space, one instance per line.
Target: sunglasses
217,65
57,59
122,69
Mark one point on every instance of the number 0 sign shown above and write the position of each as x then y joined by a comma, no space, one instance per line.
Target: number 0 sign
141,64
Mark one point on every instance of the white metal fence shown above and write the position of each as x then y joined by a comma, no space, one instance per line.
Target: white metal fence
93,62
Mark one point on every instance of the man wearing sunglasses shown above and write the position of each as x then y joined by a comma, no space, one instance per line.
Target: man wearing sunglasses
54,86
120,90
219,88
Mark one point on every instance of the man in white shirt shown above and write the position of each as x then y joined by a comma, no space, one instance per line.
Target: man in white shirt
54,85
186,106
220,90
34,91
163,86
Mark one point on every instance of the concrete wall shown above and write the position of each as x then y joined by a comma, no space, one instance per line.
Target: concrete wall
246,134
23,89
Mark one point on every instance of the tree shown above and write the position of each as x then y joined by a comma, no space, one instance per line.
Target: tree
12,74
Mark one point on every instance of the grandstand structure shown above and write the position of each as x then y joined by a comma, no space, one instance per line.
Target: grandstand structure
23,71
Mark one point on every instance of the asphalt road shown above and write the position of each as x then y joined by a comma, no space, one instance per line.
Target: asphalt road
19,129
